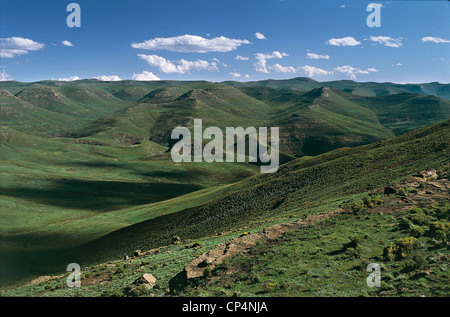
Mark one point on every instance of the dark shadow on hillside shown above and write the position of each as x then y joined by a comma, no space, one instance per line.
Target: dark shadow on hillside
100,195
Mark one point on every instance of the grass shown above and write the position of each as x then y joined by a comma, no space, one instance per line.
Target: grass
86,175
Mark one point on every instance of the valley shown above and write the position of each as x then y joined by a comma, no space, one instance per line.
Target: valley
87,176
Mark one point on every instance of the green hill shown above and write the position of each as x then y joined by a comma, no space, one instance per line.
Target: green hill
303,186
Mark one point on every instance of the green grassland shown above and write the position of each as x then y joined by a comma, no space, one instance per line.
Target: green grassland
86,175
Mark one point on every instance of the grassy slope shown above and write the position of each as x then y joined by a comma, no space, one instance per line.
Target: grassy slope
320,182
57,194
307,262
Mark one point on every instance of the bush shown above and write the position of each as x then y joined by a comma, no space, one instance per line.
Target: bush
415,262
270,287
417,231
439,230
400,248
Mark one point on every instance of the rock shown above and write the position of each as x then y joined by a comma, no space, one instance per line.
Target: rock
137,253
146,279
176,240
426,174
126,257
389,190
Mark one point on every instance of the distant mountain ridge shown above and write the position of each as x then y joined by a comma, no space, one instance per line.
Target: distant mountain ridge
314,117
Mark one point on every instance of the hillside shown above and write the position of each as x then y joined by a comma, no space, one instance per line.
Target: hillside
317,119
261,260
86,164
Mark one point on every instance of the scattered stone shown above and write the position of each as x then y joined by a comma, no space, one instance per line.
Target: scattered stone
426,174
137,253
176,240
126,257
146,279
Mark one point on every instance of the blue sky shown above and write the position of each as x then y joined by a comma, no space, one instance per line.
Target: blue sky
202,39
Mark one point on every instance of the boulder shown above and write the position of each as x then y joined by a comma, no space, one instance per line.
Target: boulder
426,174
146,279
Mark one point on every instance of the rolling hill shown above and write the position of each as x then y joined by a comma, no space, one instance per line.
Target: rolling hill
86,174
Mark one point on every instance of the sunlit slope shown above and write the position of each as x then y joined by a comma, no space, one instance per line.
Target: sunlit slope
325,180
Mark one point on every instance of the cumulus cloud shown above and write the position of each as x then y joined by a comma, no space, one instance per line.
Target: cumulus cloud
345,41
312,71
241,58
145,76
261,64
282,69
247,76
387,41
191,44
71,78
15,46
235,75
4,76
353,71
66,43
182,66
260,36
434,39
107,78
316,56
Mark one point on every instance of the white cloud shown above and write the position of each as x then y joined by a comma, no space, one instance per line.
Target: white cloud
353,71
71,78
282,69
345,41
261,64
107,78
182,66
387,41
434,39
312,71
66,43
316,56
241,58
235,75
14,46
4,76
260,36
398,64
145,76
342,6
247,76
191,44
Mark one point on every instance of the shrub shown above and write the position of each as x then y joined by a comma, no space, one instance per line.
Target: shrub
353,206
420,219
270,287
415,262
417,231
400,248
439,230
